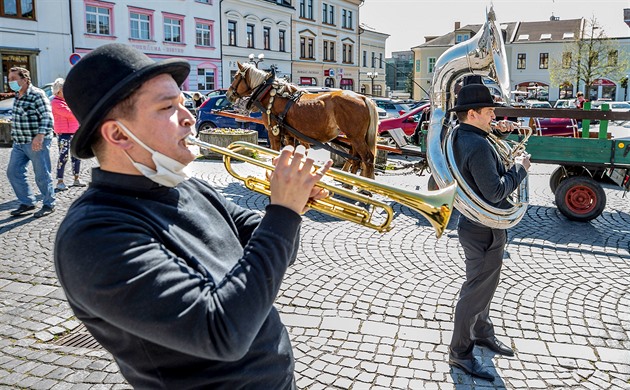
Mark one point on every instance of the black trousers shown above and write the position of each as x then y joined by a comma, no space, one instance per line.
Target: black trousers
483,248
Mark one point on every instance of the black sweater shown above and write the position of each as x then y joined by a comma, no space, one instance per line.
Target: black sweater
179,283
481,168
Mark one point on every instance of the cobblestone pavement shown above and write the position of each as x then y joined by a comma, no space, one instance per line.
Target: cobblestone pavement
368,310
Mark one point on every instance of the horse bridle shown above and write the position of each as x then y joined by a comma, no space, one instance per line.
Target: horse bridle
233,89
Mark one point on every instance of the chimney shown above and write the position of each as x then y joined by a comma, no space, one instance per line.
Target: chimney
457,25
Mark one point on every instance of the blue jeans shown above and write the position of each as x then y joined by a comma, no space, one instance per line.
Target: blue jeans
21,154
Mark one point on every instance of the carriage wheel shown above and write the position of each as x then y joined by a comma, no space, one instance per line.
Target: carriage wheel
580,198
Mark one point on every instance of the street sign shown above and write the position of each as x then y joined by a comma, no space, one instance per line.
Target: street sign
74,58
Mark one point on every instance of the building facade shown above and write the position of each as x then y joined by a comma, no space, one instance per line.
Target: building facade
260,29
399,75
35,35
372,61
325,43
160,29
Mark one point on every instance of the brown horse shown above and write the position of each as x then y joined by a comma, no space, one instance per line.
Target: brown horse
320,116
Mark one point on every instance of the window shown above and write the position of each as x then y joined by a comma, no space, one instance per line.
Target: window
173,28
344,18
331,14
204,1
347,84
203,32
267,38
250,35
140,23
593,59
523,37
302,8
329,51
461,38
613,57
23,9
98,20
373,60
325,13
543,62
431,64
521,61
306,9
545,37
364,58
282,40
380,60
347,53
566,60
568,35
306,47
349,23
378,90
205,79
231,33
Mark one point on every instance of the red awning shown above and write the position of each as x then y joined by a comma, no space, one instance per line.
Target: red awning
603,82
346,82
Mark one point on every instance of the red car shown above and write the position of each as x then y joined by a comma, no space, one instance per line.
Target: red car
407,122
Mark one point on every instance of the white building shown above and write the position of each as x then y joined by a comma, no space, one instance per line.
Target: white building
372,62
35,35
186,29
326,43
260,28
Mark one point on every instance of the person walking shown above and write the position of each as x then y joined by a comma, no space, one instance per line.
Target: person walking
179,283
31,132
486,175
65,127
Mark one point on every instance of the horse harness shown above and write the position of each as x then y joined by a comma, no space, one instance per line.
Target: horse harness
279,128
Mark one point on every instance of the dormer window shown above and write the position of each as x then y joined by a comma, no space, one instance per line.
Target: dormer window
523,37
461,38
568,35
545,37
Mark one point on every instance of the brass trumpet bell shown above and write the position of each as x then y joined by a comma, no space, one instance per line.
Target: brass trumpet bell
435,206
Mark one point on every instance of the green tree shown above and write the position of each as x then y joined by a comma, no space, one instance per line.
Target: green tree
590,56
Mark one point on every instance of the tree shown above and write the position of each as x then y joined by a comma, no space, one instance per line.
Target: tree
589,57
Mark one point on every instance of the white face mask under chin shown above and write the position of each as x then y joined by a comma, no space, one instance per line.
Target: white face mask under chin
168,172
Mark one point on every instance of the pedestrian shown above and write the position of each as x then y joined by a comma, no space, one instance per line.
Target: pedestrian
580,100
179,283
65,127
198,100
31,132
486,175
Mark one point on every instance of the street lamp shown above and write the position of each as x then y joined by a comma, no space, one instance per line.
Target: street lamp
261,58
372,76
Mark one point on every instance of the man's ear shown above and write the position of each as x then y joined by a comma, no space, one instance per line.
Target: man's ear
114,135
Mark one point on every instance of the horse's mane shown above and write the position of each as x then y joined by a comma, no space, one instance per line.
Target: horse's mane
256,77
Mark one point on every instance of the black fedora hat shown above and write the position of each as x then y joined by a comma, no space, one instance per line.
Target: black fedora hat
103,78
473,96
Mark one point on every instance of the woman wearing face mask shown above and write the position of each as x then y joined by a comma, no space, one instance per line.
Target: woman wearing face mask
65,127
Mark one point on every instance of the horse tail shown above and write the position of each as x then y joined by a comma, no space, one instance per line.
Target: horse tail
372,132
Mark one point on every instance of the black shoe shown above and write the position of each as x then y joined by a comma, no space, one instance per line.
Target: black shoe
22,209
45,210
493,344
471,366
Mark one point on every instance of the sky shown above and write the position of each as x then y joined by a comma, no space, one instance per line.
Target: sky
409,21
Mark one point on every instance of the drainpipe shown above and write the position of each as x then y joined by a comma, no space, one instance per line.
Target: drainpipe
71,26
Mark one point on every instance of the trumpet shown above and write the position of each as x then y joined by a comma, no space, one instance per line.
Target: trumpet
435,206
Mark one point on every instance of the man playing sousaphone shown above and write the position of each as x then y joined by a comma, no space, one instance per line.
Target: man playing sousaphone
486,175
177,282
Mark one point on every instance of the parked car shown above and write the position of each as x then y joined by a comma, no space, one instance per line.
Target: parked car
215,92
319,89
188,102
393,107
537,104
6,110
565,103
612,106
207,117
407,122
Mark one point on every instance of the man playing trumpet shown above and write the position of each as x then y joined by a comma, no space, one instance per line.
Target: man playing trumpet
486,175
174,280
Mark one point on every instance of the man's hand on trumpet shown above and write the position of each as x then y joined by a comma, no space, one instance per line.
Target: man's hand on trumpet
293,180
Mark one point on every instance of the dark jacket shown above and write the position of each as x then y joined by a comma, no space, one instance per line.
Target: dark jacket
481,167
179,283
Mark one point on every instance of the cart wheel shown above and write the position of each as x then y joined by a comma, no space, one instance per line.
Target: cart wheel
556,177
580,198
432,184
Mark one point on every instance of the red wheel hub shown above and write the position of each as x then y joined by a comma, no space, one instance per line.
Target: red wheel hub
581,199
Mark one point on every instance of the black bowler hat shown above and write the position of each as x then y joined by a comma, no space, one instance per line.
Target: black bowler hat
474,96
103,78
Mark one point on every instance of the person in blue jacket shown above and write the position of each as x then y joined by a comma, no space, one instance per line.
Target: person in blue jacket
174,280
